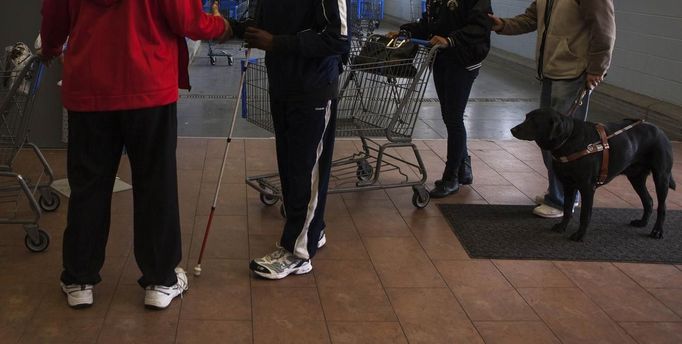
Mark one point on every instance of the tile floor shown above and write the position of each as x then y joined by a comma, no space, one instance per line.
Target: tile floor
389,274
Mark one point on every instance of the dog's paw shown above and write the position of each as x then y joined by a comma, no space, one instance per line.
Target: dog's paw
559,227
656,234
577,236
638,223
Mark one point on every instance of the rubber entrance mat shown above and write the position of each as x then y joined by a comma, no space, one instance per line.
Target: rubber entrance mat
513,232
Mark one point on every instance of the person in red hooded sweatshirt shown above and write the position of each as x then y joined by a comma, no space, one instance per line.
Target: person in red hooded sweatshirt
126,60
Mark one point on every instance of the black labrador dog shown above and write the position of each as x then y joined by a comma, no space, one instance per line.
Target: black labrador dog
636,152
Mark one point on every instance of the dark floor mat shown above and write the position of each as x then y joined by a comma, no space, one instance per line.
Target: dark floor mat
513,232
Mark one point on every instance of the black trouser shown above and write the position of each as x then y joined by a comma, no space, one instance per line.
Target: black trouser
96,140
305,141
453,85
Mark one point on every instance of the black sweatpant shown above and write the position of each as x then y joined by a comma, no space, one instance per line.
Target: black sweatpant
96,140
305,141
453,86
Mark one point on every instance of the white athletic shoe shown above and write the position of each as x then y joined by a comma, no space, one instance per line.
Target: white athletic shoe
160,297
283,264
78,295
547,212
322,240
540,199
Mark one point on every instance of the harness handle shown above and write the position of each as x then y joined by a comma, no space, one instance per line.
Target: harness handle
578,102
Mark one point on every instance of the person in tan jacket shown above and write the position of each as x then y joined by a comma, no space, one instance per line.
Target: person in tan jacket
573,52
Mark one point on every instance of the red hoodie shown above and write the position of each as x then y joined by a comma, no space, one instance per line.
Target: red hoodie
124,54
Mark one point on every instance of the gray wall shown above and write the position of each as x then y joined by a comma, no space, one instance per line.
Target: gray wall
648,54
20,21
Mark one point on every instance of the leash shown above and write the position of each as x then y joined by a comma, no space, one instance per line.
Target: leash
600,146
578,102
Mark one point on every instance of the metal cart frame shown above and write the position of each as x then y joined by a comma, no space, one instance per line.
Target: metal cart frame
377,99
18,90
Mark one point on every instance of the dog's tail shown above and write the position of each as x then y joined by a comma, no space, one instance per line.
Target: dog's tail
671,183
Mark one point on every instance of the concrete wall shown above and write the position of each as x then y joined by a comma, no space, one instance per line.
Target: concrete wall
648,54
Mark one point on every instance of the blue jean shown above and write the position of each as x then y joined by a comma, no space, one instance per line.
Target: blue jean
560,95
453,86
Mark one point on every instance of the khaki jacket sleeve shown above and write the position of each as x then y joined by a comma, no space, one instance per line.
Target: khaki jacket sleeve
523,23
600,17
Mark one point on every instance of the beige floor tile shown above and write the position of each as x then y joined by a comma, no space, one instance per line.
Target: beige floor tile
503,194
401,262
616,293
366,333
432,315
214,331
436,237
483,292
658,332
670,297
653,275
223,285
573,317
529,274
515,332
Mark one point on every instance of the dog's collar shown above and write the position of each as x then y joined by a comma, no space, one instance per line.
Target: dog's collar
600,146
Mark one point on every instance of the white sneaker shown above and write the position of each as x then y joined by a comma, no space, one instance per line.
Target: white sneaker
160,297
322,240
280,267
547,212
540,199
78,295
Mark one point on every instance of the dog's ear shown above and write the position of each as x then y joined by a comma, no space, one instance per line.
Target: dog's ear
556,125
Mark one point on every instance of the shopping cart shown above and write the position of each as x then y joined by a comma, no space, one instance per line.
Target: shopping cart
233,9
18,89
365,16
376,100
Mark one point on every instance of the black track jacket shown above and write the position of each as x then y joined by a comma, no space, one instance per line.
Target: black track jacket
310,36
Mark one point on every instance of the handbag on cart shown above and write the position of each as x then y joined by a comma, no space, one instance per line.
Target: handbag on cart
392,57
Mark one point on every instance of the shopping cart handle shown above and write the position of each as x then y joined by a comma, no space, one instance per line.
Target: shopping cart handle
421,42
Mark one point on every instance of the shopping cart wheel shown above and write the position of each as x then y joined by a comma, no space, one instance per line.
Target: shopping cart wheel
420,197
268,199
213,60
282,211
364,171
49,203
41,244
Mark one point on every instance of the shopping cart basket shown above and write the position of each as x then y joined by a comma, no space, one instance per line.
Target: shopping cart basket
234,9
376,100
18,89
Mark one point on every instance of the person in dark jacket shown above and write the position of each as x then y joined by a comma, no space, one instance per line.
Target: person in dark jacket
462,27
304,42
126,60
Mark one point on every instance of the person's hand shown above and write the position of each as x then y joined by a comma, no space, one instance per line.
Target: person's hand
392,35
46,60
438,40
259,39
498,24
593,80
227,34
